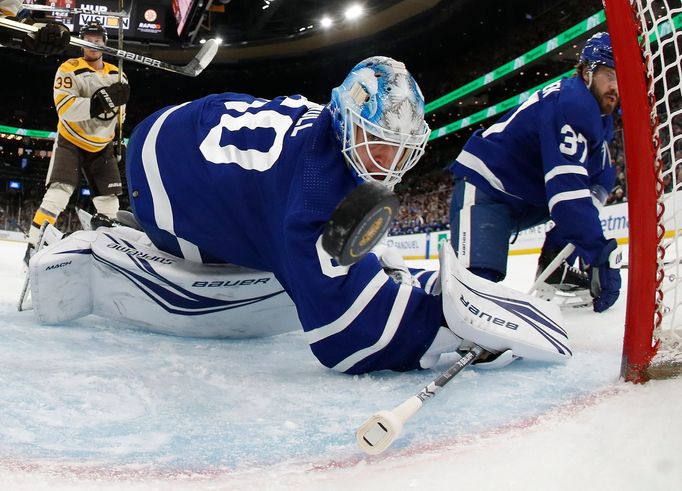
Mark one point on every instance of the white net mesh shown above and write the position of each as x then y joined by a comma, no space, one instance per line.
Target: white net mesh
660,22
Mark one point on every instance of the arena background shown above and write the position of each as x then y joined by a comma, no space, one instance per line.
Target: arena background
473,61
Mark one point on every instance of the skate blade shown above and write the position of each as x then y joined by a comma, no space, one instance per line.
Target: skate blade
575,298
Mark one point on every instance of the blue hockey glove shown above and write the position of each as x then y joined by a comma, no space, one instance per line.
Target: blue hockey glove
605,277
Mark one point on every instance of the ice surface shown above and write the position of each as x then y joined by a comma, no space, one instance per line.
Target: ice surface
90,405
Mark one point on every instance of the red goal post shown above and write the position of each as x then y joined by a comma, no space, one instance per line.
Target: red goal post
647,46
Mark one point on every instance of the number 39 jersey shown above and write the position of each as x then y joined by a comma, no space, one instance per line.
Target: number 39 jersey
232,178
550,151
74,84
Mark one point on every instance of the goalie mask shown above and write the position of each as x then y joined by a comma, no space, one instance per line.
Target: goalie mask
378,116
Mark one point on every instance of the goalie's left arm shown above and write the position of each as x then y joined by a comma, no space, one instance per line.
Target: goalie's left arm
357,318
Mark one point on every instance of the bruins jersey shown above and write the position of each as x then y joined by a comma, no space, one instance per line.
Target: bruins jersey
74,85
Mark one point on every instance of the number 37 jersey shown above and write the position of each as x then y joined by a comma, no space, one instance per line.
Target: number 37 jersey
549,152
252,182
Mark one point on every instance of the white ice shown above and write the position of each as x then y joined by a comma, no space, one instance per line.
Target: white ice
93,406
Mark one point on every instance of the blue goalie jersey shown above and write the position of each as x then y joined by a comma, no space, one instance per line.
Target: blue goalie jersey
252,182
551,151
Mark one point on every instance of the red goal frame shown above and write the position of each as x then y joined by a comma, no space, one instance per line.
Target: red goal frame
644,188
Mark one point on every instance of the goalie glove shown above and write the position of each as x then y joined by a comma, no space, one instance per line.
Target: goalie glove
605,277
394,265
107,99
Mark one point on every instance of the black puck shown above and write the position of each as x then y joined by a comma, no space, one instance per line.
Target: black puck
359,222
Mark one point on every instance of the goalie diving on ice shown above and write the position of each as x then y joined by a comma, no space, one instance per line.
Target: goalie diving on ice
231,241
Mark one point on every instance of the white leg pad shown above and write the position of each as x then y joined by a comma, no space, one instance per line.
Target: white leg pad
115,273
499,318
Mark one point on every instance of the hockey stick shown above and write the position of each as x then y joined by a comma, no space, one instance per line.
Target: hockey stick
195,66
381,429
563,254
82,10
119,115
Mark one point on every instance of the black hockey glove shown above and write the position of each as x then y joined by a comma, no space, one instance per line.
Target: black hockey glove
51,39
107,99
605,277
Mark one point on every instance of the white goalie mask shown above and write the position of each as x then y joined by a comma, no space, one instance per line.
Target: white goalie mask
378,114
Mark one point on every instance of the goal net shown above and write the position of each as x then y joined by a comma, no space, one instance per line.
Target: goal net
647,43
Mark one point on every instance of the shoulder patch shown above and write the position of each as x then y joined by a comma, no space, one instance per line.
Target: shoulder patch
70,65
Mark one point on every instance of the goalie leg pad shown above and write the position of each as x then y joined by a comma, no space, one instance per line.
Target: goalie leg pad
115,273
499,318
61,288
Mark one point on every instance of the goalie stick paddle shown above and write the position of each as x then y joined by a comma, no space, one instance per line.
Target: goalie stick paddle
563,254
381,429
195,66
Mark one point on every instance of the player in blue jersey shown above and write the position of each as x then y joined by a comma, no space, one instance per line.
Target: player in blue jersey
248,181
546,159
231,178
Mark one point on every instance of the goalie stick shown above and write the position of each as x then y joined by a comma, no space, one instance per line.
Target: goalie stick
381,429
82,10
195,66
563,254
377,433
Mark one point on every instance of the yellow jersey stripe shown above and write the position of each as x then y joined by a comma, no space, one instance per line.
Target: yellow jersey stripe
77,136
64,107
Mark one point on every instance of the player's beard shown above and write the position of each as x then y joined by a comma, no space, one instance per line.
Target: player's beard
606,105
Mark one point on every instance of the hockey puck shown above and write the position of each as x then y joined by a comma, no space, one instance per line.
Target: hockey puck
359,222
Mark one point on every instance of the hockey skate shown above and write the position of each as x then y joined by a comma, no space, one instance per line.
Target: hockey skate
568,286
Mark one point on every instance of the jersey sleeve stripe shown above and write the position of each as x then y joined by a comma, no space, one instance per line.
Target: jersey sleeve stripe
394,318
189,251
163,212
59,97
469,160
568,196
501,126
65,105
565,169
345,319
428,288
